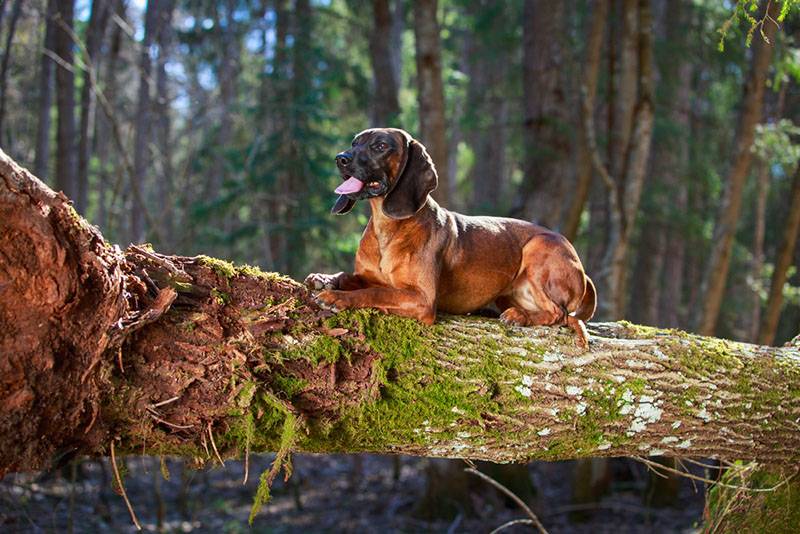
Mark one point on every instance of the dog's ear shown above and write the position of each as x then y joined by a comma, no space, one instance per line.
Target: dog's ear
417,179
343,205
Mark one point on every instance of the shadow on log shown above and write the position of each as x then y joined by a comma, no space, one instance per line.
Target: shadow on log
199,358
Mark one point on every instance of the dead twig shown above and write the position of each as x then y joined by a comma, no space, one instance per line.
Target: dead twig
122,488
657,465
534,520
511,523
214,445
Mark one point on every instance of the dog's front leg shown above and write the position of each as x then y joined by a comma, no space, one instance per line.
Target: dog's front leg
406,302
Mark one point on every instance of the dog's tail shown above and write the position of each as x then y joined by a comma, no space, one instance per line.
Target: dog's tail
589,303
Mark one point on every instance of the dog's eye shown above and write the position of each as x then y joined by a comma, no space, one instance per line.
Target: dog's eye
380,146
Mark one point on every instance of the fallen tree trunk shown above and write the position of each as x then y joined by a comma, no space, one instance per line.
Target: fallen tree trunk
198,358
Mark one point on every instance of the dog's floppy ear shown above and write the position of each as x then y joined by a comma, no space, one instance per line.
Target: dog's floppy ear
417,179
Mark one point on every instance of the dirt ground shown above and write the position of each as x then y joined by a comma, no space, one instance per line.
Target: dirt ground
365,493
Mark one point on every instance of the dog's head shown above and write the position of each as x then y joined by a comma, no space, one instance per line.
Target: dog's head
389,163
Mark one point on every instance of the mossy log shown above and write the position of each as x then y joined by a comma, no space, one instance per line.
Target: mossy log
199,358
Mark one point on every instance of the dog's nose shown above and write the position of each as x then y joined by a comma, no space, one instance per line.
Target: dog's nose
343,159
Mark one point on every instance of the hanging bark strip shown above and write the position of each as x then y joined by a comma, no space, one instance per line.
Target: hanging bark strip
207,345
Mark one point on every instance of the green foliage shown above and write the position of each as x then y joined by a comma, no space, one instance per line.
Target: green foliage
776,143
747,12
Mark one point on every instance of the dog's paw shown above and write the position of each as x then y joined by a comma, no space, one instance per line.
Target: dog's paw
320,281
514,316
329,300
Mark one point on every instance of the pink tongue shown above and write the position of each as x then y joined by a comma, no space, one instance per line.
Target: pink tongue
351,185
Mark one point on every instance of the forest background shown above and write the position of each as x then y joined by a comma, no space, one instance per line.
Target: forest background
659,136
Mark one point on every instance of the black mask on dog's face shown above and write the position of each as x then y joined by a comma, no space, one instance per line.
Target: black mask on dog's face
389,163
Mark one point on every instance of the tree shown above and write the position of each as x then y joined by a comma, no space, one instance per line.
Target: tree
487,64
386,82
545,116
197,357
658,279
45,100
430,92
588,90
791,233
16,11
101,11
630,150
716,271
66,165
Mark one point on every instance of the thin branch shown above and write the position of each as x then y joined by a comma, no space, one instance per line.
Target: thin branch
511,495
122,488
214,445
511,523
657,465
246,460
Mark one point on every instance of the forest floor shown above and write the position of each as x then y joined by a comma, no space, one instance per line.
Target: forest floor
366,493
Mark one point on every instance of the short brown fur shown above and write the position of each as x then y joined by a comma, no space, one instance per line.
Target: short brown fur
433,259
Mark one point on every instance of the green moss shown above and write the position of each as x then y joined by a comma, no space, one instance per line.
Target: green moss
220,297
282,460
289,385
223,268
323,349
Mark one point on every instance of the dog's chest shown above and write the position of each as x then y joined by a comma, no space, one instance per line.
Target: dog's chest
387,259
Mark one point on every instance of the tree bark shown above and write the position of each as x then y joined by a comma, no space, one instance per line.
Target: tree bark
385,103
545,116
45,100
594,46
101,10
791,233
716,272
430,92
66,167
176,355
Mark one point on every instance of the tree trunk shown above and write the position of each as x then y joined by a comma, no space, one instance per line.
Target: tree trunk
45,100
594,46
546,119
101,10
430,92
103,125
16,11
677,167
141,150
716,272
486,111
385,104
791,233
176,355
624,191
646,291
166,182
66,169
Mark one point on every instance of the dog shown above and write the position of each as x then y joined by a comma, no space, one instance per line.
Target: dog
416,258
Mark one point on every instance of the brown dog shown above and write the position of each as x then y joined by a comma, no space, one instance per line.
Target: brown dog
416,258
